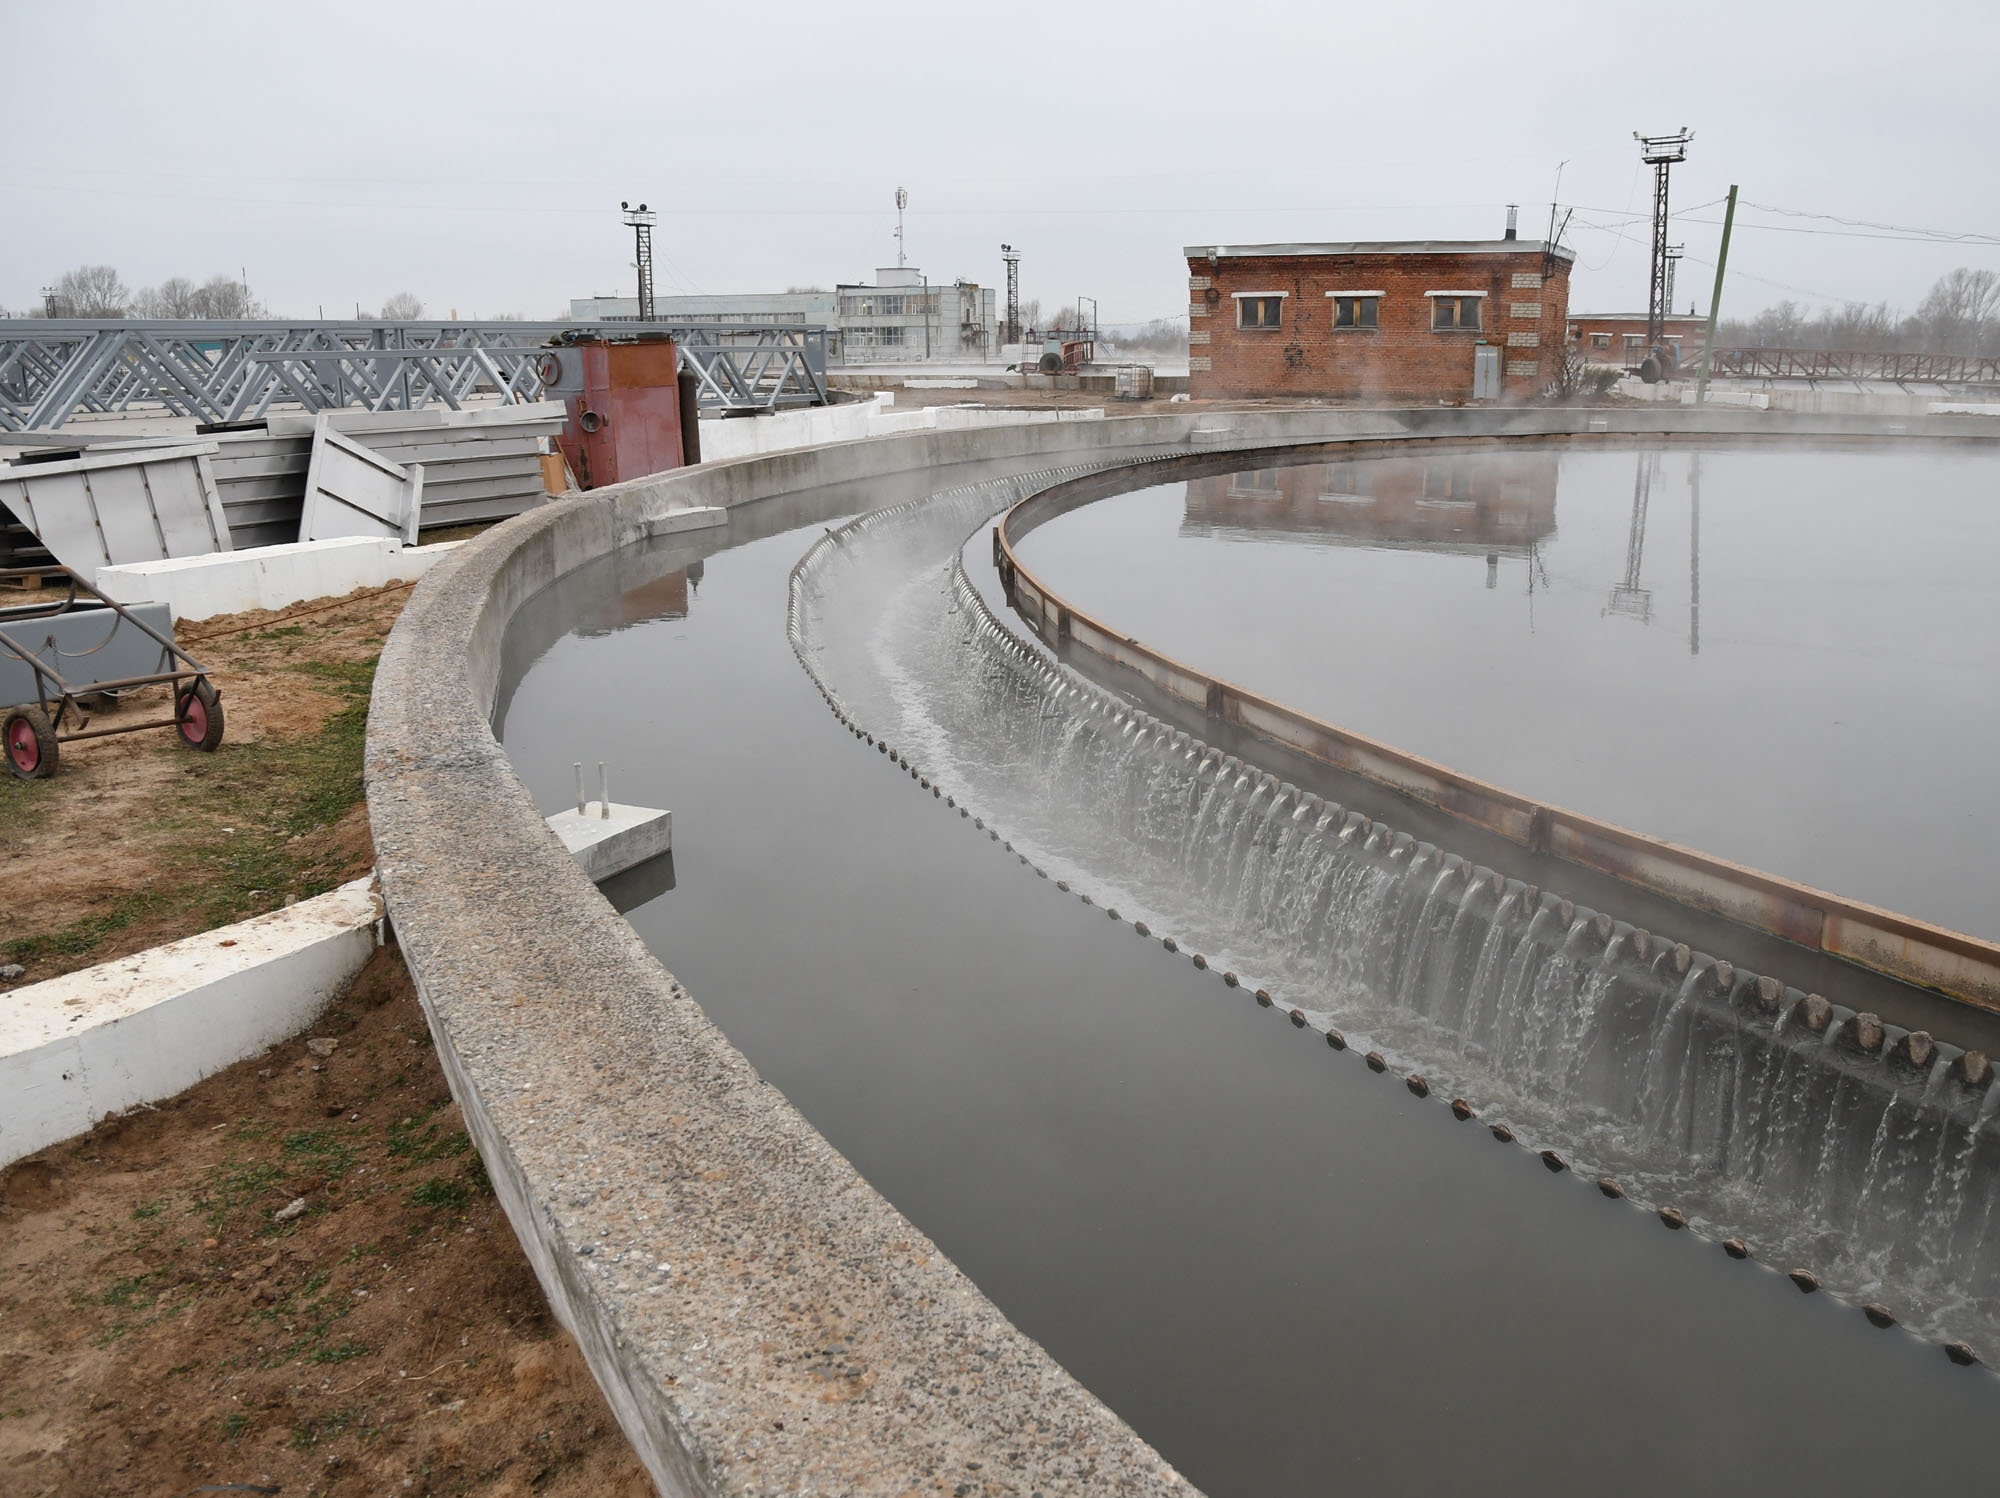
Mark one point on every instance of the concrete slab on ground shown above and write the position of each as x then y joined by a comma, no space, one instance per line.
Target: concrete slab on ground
144,1027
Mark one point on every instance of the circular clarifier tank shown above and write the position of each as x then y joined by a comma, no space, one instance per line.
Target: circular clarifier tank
1781,656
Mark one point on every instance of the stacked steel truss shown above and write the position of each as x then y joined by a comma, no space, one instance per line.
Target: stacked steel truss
1854,364
219,371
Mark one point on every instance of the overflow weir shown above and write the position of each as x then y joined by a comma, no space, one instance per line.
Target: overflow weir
761,1318
1862,1151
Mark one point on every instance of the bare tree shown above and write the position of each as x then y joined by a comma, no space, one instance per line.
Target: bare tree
402,307
172,298
1961,313
91,291
225,297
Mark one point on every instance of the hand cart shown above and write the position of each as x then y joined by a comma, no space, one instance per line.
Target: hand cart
31,731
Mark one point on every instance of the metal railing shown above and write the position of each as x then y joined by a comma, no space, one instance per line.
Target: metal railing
220,371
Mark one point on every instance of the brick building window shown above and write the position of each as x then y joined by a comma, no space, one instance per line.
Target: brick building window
1260,309
1600,340
1454,309
1356,309
1343,483
1259,483
1447,484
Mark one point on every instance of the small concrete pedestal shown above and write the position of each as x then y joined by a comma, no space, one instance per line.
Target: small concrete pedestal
607,845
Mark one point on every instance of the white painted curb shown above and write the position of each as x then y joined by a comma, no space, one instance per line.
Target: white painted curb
145,1027
270,577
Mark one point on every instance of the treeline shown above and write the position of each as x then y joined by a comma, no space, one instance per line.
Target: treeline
1959,315
98,291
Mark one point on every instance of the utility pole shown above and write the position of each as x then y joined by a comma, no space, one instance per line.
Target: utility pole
902,202
1661,153
641,221
927,316
1715,297
1013,258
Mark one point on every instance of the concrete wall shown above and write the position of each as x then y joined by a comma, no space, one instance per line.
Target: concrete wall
689,1227
269,577
816,426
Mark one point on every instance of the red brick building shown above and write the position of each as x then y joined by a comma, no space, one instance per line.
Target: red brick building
1620,337
1424,320
1470,502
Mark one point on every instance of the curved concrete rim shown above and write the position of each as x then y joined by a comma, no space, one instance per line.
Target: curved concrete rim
759,1318
1899,946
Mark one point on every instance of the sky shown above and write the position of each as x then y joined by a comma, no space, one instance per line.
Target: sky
476,155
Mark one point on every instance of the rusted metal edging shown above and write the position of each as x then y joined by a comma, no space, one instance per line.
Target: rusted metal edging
1964,967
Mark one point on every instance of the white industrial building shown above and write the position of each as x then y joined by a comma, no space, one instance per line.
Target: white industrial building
900,319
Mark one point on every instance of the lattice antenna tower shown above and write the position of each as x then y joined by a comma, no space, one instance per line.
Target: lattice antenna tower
1013,258
1661,153
641,221
902,202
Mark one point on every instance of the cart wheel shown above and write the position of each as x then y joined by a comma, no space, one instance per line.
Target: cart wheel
29,743
198,716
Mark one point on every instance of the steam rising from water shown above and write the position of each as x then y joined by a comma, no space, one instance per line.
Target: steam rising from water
1867,1154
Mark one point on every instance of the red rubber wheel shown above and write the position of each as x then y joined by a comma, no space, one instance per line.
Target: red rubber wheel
198,717
29,744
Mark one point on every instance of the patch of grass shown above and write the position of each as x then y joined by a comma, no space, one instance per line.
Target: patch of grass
281,632
234,1425
21,802
131,1293
231,1186
338,1354
147,1209
418,1140
269,792
309,1433
441,1192
319,1149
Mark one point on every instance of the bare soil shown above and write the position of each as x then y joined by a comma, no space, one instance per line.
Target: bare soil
162,1329
136,840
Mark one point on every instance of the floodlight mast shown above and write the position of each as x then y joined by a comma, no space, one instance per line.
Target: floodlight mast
1661,153
1013,258
641,221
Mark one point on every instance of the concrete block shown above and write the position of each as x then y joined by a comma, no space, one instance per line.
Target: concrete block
699,518
270,577
610,844
145,1027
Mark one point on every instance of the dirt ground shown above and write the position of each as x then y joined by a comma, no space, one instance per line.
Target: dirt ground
162,1329
137,840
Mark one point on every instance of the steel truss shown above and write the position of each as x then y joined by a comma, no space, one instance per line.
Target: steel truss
1854,364
218,371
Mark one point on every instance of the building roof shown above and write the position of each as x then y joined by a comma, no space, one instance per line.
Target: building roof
1633,317
1385,247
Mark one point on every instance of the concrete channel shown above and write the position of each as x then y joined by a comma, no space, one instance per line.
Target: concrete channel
760,1317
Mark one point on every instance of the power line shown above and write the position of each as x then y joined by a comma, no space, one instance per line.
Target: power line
1954,235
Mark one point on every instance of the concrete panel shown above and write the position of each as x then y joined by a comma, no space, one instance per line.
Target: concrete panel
148,1026
271,577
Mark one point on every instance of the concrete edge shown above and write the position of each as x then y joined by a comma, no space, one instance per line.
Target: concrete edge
141,1028
759,1318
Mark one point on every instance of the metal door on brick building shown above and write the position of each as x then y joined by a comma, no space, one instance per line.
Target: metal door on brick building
1485,373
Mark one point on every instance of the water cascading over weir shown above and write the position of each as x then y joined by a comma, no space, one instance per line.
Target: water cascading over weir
1810,1133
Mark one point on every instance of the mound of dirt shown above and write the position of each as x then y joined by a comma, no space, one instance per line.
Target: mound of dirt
294,1275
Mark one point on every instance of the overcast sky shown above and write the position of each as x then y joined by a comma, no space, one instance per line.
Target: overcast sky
476,154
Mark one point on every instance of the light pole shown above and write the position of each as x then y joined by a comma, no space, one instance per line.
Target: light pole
641,221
